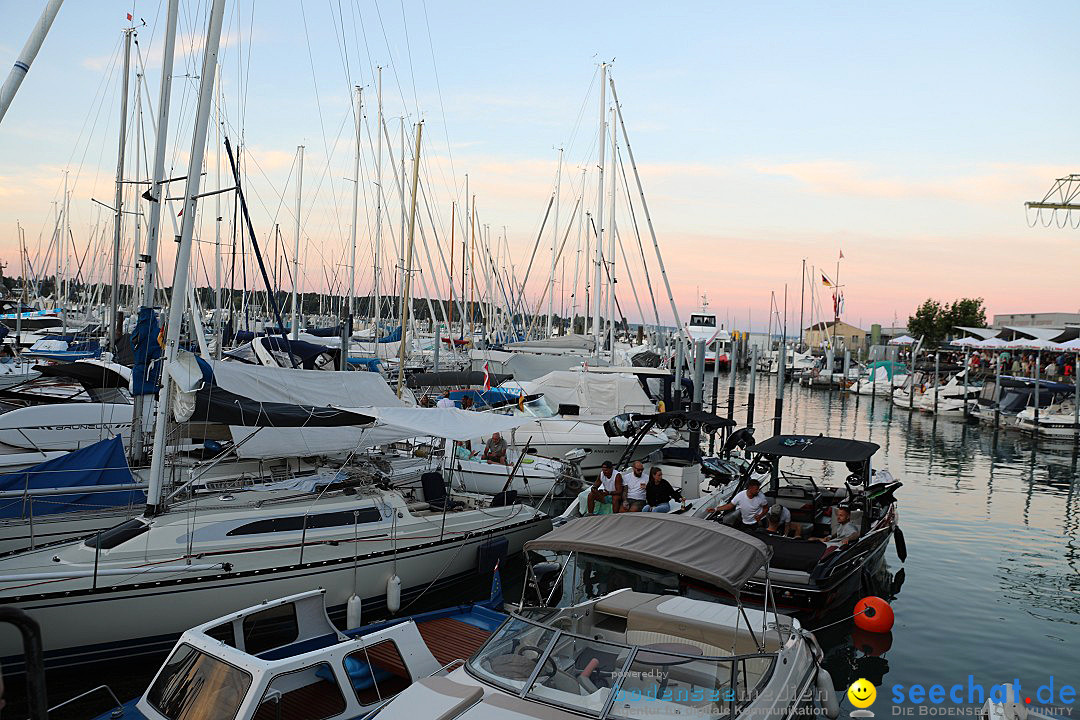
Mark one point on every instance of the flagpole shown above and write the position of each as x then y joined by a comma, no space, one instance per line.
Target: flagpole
836,307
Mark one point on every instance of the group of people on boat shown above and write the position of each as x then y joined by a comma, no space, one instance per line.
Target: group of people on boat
630,490
757,515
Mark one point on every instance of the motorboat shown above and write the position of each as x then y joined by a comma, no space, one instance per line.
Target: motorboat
525,474
702,325
881,378
806,574
552,435
133,588
1002,399
1058,419
286,659
949,399
600,634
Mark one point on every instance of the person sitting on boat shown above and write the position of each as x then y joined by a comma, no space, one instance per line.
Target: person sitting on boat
446,401
750,503
633,482
466,402
608,488
778,520
495,450
845,531
659,493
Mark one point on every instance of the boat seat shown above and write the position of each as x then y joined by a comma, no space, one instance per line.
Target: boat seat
647,624
434,486
620,604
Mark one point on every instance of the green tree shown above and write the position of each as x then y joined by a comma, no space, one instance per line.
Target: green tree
934,320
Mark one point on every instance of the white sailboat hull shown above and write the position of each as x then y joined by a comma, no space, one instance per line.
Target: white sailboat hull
146,617
68,426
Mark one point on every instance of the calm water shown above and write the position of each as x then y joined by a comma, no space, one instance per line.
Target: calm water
991,586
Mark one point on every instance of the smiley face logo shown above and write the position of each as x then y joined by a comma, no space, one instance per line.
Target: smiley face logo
862,693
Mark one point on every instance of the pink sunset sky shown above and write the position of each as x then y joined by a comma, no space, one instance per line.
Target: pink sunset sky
909,138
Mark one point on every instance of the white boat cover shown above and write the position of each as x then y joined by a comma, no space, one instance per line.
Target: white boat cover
343,390
528,366
605,394
449,423
324,388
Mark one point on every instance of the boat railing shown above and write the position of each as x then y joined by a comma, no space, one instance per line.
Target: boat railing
118,710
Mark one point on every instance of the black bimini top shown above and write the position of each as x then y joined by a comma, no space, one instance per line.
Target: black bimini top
816,447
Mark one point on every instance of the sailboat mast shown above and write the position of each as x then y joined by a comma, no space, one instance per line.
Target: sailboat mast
577,256
597,278
118,225
218,294
26,57
802,299
295,321
611,237
377,314
156,195
183,253
407,261
355,207
554,240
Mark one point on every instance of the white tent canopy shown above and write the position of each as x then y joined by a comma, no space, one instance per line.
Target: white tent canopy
902,340
449,423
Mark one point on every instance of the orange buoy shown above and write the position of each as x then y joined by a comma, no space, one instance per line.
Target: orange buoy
874,615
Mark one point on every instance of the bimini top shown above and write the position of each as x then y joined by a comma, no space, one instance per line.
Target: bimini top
701,549
816,447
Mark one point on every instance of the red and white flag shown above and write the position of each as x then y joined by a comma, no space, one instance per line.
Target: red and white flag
129,17
487,377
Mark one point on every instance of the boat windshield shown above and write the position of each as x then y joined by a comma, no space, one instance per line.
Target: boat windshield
193,684
603,679
538,407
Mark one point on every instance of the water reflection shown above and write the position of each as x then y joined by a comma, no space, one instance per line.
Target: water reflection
991,520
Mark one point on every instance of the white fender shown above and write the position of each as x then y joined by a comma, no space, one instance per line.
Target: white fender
828,696
352,612
393,594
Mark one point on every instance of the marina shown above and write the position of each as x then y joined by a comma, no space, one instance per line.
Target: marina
327,393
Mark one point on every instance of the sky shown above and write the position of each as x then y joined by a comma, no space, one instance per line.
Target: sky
906,135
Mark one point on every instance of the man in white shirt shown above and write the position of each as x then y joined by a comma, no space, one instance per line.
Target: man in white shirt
445,401
750,503
608,488
633,481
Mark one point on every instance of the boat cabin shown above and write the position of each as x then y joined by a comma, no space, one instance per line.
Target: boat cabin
285,660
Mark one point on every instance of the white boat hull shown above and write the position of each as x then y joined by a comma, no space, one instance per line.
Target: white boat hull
131,619
68,426
537,478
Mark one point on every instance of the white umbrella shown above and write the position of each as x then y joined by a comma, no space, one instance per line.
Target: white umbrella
1036,344
968,342
902,340
1073,344
992,343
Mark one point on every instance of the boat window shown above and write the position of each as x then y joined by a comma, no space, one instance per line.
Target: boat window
223,634
539,407
509,657
309,694
579,673
117,535
703,320
270,628
193,684
377,672
591,576
295,523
